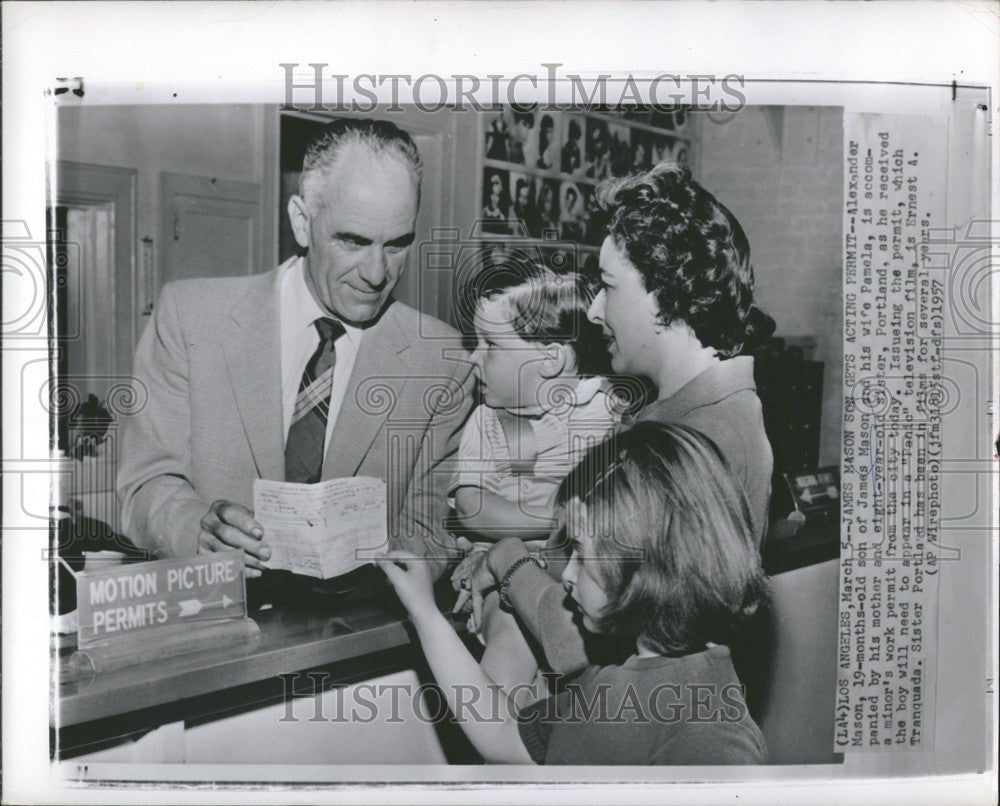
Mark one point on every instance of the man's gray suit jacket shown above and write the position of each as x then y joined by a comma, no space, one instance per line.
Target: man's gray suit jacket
210,361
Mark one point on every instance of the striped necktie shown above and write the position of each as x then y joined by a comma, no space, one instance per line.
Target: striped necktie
307,433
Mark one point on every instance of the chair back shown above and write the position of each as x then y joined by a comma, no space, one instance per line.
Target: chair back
799,682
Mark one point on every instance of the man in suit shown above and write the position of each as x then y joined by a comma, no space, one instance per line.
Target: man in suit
308,372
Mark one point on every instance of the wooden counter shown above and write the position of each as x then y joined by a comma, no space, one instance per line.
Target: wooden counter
289,641
341,641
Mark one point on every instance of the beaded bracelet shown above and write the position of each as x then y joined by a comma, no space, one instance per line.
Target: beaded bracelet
505,602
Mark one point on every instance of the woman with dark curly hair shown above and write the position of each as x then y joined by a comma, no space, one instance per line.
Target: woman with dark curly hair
675,301
675,305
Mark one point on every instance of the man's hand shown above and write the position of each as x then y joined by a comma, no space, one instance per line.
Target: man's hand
231,526
411,576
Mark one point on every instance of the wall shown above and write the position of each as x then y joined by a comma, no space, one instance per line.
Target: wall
226,142
780,171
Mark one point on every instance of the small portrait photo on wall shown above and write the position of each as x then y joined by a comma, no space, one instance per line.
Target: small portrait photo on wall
522,145
572,212
496,201
619,149
641,152
597,156
547,207
523,214
497,136
571,160
548,142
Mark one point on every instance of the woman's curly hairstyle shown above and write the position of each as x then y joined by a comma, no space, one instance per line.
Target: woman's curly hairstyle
691,251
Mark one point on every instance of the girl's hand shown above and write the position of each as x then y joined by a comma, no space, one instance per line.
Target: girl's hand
411,577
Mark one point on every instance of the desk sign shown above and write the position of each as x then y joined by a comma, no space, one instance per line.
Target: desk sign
815,490
133,598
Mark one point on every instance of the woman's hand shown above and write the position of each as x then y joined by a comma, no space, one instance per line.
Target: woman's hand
411,577
468,563
475,583
483,574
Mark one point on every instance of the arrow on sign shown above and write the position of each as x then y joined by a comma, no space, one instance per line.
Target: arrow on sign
191,607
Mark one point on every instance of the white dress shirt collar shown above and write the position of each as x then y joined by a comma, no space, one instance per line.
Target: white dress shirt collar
300,306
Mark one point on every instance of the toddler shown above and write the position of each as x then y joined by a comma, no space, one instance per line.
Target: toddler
545,403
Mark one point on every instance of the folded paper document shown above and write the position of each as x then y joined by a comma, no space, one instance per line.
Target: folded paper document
322,530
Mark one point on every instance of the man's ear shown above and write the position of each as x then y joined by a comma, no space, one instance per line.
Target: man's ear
298,215
558,358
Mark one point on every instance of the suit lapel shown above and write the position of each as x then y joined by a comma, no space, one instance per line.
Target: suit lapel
376,383
253,358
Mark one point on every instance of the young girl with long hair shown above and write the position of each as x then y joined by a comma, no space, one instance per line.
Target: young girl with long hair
664,553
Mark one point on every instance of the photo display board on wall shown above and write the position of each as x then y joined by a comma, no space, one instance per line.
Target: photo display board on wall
540,168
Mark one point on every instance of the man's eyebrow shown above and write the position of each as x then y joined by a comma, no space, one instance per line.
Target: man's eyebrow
362,240
402,240
352,237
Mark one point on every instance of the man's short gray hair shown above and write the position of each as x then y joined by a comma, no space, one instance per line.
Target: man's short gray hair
379,136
